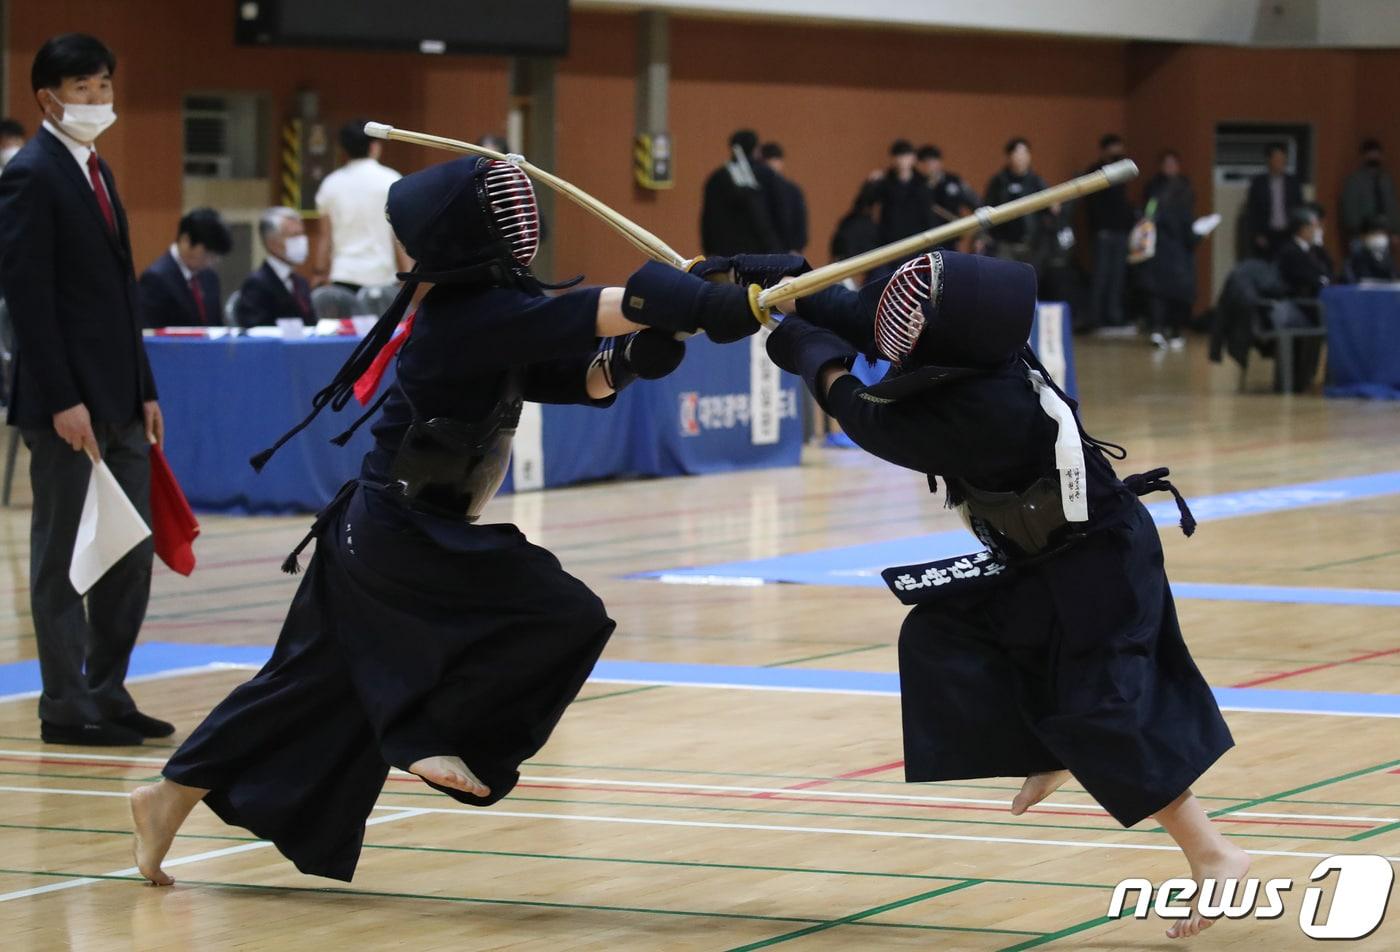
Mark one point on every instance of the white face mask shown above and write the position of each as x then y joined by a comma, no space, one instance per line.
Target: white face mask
1317,237
1378,244
297,248
7,154
85,122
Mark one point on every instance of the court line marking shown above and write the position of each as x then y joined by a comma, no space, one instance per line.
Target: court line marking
894,798
1321,666
760,827
402,814
529,903
854,917
843,831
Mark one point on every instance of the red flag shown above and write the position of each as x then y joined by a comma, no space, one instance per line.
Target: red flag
369,381
172,521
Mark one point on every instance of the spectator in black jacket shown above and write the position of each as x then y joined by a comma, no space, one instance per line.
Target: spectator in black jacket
1370,259
790,203
900,195
1273,196
1020,239
1168,278
181,288
737,213
950,195
1303,265
1111,219
82,388
275,289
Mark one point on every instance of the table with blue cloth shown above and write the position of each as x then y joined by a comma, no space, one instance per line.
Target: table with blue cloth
226,399
1363,341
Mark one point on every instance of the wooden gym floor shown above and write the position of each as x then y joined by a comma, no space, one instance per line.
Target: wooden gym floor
710,817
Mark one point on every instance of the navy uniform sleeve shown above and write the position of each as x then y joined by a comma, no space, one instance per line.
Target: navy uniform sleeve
27,278
562,381
839,310
524,331
905,433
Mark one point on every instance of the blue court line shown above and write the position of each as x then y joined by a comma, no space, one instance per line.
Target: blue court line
860,565
155,659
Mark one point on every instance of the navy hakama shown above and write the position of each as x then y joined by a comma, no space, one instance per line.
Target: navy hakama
410,636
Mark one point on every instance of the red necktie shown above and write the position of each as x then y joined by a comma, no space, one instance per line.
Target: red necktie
198,300
303,302
100,190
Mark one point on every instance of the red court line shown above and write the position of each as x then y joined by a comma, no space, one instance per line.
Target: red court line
853,774
1267,679
905,804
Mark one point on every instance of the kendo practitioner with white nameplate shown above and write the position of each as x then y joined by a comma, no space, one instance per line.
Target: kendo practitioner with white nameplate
419,638
1057,650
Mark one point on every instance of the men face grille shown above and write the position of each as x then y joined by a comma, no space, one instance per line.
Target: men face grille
899,317
511,197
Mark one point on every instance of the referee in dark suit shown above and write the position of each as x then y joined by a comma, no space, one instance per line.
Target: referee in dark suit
82,386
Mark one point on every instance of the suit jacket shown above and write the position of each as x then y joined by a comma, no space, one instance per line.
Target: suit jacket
1260,203
1305,272
737,219
167,301
71,291
264,298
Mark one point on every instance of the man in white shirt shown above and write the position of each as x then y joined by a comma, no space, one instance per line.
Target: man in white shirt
355,245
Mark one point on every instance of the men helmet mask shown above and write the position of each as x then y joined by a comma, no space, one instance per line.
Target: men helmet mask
510,197
900,317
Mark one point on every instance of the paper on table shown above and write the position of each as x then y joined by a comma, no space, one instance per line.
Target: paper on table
1206,224
292,328
108,529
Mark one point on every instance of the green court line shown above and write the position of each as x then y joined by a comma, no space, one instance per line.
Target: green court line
625,691
1367,834
821,657
866,816
527,903
1049,937
1363,558
772,664
854,917
1260,801
512,854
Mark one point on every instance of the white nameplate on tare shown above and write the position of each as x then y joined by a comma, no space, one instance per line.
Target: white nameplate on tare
1050,340
765,392
527,450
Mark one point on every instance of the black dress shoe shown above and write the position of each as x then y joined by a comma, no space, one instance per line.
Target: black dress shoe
99,734
143,724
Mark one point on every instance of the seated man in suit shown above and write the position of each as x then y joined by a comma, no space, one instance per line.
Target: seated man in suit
1303,265
181,289
276,290
1370,259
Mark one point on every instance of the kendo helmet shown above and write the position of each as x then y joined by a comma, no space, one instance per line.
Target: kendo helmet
466,213
946,315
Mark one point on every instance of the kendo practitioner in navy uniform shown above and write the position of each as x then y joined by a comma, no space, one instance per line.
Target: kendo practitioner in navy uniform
418,638
1057,651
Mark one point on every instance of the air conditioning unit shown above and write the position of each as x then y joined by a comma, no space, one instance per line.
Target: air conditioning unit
206,121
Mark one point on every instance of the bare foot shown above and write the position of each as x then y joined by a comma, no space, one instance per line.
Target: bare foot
447,771
1231,863
157,812
1037,787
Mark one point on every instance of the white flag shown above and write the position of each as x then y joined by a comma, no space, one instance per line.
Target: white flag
110,528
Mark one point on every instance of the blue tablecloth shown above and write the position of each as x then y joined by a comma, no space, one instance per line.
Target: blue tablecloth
1363,342
225,400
